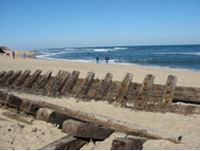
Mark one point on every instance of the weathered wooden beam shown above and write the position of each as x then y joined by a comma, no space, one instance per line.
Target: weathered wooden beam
6,76
187,94
17,117
58,85
87,84
169,90
2,73
13,77
30,107
69,85
65,143
44,113
83,130
144,91
22,78
52,82
123,91
52,116
3,96
104,87
128,143
13,101
43,81
28,83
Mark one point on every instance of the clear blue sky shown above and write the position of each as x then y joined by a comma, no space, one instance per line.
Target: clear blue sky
35,24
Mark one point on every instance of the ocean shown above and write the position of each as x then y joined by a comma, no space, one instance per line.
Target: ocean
169,56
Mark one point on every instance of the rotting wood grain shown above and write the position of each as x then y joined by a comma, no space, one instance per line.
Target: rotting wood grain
6,76
143,95
169,90
22,78
104,87
65,143
70,83
13,77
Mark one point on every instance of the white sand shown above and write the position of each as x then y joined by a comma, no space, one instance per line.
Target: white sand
167,125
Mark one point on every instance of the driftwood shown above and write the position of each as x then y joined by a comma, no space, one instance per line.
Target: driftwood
65,143
17,117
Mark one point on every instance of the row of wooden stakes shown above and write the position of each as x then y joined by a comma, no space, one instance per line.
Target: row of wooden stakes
144,96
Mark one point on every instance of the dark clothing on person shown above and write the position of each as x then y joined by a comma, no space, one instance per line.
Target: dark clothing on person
13,54
97,59
106,58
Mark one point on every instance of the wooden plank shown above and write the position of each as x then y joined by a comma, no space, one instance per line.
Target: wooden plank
87,84
22,78
43,114
58,85
52,83
17,117
187,94
13,101
69,85
123,91
52,116
13,77
30,107
169,90
3,96
144,91
6,76
128,143
83,130
65,143
28,83
43,81
2,73
104,87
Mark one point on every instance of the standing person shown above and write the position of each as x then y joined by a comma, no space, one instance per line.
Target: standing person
13,54
97,59
106,58
24,55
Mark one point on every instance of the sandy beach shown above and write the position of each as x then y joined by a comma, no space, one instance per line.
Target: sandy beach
167,125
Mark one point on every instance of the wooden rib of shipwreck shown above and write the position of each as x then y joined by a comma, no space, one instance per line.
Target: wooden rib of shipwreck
143,96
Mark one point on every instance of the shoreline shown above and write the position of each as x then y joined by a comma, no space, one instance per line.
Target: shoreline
100,70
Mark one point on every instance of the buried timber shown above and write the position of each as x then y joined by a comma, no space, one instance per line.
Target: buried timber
140,96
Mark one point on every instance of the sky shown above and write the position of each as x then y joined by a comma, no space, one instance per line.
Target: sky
38,24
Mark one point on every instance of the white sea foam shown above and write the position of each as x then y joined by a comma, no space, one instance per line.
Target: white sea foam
177,53
120,48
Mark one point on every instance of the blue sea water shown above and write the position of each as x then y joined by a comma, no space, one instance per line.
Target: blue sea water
169,56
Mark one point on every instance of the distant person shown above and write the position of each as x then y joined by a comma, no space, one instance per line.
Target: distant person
106,58
13,54
97,59
24,55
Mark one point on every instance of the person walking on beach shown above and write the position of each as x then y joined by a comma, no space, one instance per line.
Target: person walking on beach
97,59
13,54
106,58
24,55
